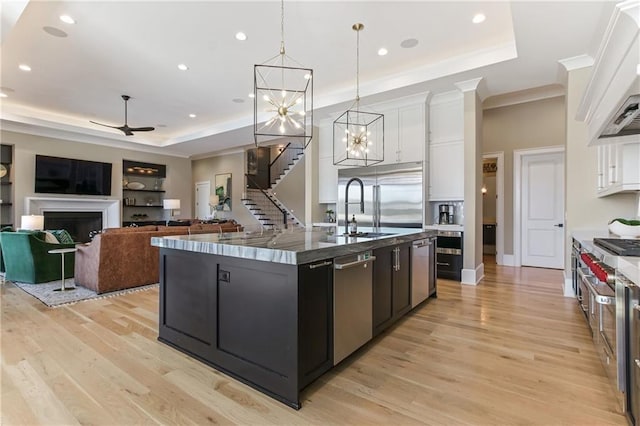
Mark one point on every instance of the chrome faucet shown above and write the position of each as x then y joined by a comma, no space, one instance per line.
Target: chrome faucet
346,202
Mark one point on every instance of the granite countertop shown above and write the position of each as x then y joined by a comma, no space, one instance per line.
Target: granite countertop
440,227
293,246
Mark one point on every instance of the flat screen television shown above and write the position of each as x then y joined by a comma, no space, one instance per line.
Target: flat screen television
55,175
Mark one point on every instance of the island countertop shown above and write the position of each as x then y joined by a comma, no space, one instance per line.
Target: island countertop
290,246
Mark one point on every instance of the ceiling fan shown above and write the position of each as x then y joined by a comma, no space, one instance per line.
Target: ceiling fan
125,128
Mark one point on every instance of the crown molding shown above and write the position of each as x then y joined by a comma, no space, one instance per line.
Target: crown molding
524,96
576,62
475,84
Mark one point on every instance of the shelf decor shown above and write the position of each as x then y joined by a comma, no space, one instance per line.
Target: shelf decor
282,98
358,136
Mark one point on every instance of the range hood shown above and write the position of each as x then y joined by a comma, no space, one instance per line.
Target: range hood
626,121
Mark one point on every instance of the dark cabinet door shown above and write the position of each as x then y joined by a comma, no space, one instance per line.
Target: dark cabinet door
315,320
401,280
391,285
187,301
382,289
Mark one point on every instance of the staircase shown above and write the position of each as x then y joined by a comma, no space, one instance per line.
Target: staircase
268,210
263,204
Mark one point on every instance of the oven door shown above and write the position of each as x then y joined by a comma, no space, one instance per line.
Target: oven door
606,343
583,292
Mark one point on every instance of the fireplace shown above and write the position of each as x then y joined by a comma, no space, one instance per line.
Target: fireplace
78,224
107,208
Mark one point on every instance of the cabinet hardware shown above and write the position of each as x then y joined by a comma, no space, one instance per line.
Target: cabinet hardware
352,264
321,264
443,264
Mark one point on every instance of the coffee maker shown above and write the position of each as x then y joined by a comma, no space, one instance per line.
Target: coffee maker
446,216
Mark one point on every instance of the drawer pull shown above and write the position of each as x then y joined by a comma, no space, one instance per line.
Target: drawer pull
637,362
321,264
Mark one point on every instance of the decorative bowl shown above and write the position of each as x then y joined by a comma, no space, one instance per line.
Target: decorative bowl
624,231
135,185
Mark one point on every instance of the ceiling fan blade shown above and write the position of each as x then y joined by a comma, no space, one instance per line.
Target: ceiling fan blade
142,129
105,125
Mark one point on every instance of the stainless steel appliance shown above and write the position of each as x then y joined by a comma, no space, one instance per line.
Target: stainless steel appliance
423,270
628,324
446,214
392,194
619,246
352,303
449,255
617,335
626,121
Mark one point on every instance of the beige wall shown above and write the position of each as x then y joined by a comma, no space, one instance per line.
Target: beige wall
177,184
207,168
291,190
528,125
585,211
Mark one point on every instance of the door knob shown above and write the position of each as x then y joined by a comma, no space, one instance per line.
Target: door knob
559,225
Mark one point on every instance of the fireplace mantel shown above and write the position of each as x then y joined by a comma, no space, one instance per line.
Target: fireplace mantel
109,207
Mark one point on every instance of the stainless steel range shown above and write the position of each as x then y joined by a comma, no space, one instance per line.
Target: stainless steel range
619,246
611,303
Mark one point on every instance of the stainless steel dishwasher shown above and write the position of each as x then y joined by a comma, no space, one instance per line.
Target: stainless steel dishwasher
352,303
423,270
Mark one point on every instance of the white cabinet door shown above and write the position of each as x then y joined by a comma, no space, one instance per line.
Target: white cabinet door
618,168
411,131
446,171
391,148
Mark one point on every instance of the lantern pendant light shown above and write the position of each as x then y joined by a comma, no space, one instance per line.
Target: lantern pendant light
282,98
358,136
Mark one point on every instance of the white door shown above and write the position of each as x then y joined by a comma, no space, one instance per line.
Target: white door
203,190
543,210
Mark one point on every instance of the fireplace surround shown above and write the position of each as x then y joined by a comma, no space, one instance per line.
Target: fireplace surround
109,208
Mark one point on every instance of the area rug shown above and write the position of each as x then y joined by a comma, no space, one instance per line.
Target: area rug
45,292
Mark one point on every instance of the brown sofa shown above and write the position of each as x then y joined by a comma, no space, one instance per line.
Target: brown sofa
121,258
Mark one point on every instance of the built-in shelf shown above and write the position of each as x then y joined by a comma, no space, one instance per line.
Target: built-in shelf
143,206
6,204
6,183
142,190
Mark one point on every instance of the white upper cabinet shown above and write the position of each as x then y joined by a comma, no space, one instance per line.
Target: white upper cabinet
618,168
446,147
404,132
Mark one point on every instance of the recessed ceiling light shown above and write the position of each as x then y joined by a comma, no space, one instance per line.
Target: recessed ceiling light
409,43
241,36
382,51
24,67
251,95
67,19
192,116
238,100
182,67
478,18
56,32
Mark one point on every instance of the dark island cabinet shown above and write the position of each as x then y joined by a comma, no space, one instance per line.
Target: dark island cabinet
391,285
266,324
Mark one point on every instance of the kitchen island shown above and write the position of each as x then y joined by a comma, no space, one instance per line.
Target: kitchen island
260,306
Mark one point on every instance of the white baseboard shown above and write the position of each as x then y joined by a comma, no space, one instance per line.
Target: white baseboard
473,276
567,290
508,260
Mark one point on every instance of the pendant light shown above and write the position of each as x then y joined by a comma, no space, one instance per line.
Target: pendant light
283,98
358,136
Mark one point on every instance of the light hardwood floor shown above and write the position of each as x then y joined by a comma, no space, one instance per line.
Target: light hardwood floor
509,351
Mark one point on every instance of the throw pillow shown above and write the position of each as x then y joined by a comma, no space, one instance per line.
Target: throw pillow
62,236
50,238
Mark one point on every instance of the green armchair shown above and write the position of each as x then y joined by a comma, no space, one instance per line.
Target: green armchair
26,258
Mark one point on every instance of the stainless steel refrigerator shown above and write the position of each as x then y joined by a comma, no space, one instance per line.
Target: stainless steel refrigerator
393,195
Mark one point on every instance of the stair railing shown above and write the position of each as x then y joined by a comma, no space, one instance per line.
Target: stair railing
283,161
266,195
